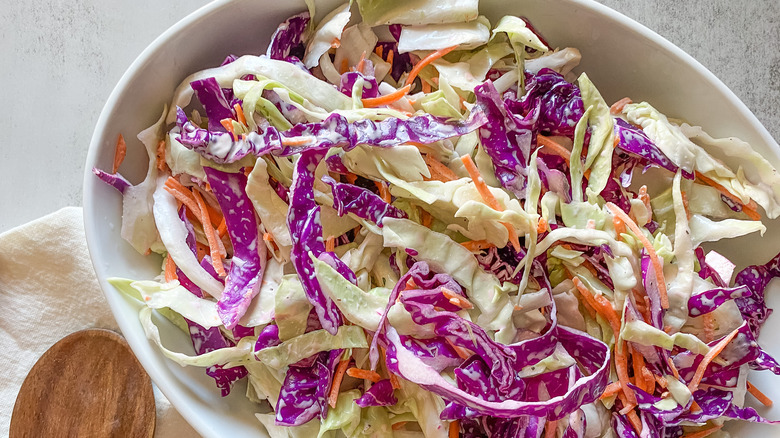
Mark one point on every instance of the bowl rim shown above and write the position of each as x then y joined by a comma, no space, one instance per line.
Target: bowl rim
178,399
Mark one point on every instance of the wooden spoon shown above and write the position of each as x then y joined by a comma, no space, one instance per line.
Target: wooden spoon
87,384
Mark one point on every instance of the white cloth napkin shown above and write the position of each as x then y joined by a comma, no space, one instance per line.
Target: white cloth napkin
48,290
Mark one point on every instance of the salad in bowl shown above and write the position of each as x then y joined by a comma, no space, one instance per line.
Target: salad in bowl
410,221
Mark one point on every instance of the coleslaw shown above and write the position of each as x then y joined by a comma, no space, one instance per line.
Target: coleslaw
409,221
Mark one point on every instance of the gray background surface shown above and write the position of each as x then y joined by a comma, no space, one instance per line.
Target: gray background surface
61,59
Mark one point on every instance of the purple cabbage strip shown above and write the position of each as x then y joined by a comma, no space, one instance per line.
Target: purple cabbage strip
206,340
710,300
336,263
756,278
303,220
115,180
634,141
402,62
370,87
214,101
334,131
336,165
434,352
592,354
651,288
380,394
268,337
288,37
505,138
557,101
228,60
304,391
348,198
248,263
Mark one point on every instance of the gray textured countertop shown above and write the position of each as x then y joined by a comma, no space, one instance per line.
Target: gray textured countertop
62,59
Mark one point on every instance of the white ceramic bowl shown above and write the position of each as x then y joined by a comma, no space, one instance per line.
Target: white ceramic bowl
622,57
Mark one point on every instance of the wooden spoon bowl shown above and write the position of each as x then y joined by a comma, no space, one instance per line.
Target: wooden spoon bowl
87,384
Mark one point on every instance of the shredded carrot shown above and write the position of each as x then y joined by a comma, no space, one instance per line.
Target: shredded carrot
703,433
298,141
760,396
426,218
387,98
620,226
394,380
554,147
611,389
462,352
460,300
228,125
161,156
330,244
344,66
605,309
426,87
425,61
119,153
750,209
378,50
477,245
170,269
636,423
685,204
350,178
661,381
183,195
389,57
240,113
712,354
637,363
361,65
384,192
550,429
488,197
454,430
618,106
398,426
439,171
338,376
709,327
645,198
675,373
649,379
360,373
211,237
541,226
659,272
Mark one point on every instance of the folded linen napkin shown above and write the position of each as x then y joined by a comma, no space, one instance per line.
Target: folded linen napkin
48,290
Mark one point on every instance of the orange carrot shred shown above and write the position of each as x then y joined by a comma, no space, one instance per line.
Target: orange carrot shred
119,153
488,197
384,192
750,209
425,218
460,300
620,226
425,61
541,226
398,426
760,396
330,244
659,273
161,156
645,198
387,98
462,352
671,364
240,113
636,423
426,87
618,106
222,228
338,376
477,245
170,269
361,65
389,57
712,354
554,147
439,171
709,327
703,433
378,50
661,381
208,229
344,66
550,429
183,195
228,125
360,373
298,141
454,430
611,389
